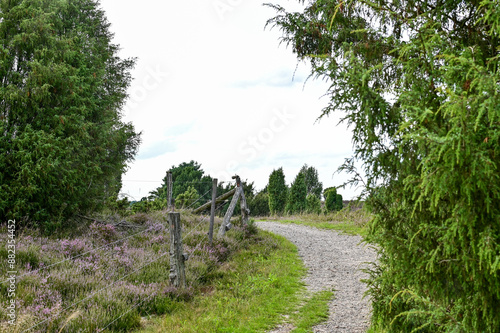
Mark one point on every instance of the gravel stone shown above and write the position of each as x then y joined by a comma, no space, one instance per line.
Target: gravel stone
334,261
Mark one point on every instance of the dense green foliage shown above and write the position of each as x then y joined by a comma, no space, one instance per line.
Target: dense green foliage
187,175
259,205
278,192
330,195
187,198
314,186
339,202
62,85
313,204
296,202
418,82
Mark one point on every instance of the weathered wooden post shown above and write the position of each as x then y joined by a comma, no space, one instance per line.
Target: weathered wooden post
212,211
177,258
169,191
225,226
244,208
243,203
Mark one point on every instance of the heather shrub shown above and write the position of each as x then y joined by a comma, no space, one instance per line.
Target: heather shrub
105,233
139,218
113,277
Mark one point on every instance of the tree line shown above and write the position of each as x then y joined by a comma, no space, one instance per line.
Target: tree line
192,188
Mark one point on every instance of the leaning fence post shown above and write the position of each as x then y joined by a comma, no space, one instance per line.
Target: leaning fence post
177,258
169,191
225,226
244,208
212,211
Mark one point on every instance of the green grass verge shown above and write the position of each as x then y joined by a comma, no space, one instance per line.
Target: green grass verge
344,227
346,221
313,312
249,294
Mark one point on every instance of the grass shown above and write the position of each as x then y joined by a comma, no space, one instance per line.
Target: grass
313,312
103,278
346,221
250,293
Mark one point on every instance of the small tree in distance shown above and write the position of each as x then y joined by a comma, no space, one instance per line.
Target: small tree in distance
313,185
298,192
313,204
330,195
277,191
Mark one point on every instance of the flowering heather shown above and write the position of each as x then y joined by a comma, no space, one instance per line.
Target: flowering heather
74,247
105,278
46,302
103,232
155,227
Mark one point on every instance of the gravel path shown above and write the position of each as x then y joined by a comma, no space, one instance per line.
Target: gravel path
334,261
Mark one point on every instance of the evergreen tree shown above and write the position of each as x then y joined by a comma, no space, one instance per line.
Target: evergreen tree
296,202
330,195
418,83
184,176
259,205
314,186
313,204
63,144
278,192
339,204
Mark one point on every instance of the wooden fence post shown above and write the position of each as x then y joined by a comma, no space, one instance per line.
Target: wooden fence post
212,211
244,208
177,258
169,191
243,203
225,226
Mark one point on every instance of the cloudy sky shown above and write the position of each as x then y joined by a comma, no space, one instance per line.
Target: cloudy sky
212,85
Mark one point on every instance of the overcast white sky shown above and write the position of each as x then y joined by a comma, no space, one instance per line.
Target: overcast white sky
212,85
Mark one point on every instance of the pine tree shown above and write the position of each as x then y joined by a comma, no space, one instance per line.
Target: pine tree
64,146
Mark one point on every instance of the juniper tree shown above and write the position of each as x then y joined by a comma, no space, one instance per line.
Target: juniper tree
314,186
278,192
418,84
296,202
63,144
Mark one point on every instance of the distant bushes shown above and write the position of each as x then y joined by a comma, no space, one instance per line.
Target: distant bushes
259,205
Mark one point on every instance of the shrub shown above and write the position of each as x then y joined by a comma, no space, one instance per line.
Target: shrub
187,198
259,205
313,204
339,202
330,199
